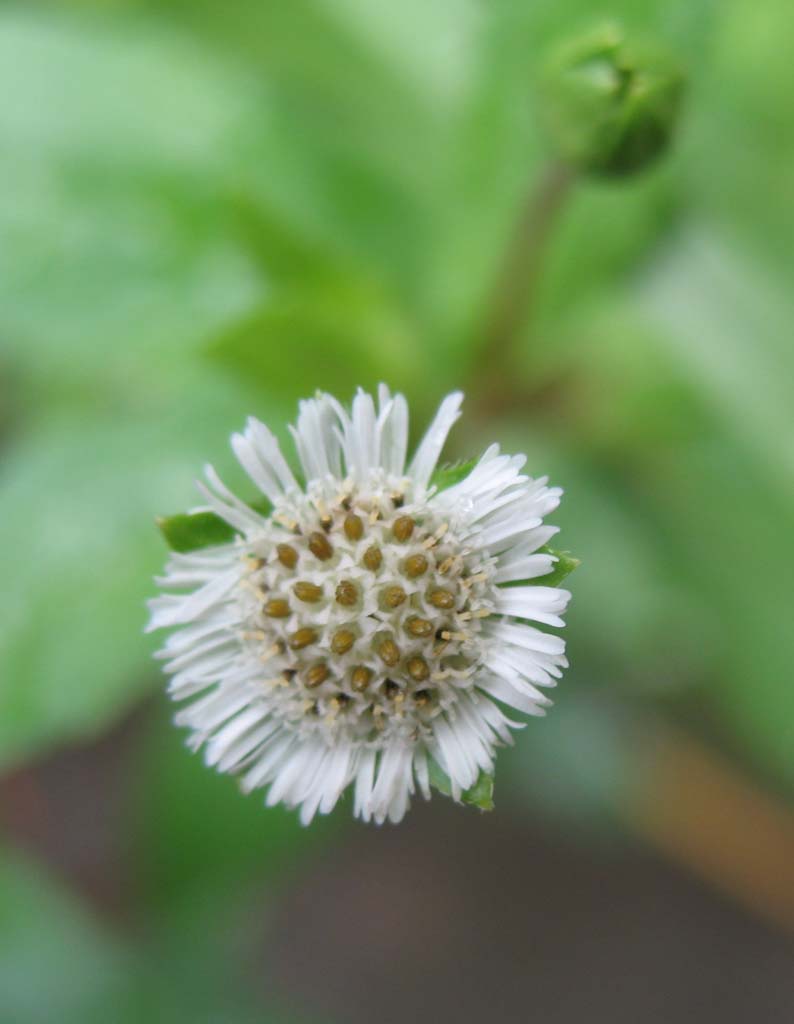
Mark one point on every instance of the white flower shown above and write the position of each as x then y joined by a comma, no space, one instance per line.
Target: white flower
370,622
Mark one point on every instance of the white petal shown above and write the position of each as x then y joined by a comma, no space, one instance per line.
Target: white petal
258,453
365,781
208,713
270,454
527,568
393,429
295,776
498,535
222,740
454,757
226,618
243,748
317,445
422,772
427,454
516,695
171,609
525,636
276,752
496,720
335,778
390,793
538,603
228,505
187,570
527,544
480,737
220,650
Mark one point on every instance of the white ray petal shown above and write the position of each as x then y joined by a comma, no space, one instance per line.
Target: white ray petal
427,454
170,610
393,429
365,782
527,568
541,604
316,443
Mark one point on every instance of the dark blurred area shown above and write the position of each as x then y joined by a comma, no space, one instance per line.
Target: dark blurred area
211,210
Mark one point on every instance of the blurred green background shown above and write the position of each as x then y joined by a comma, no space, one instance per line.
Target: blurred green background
211,209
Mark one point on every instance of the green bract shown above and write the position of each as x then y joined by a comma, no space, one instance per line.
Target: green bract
479,795
563,567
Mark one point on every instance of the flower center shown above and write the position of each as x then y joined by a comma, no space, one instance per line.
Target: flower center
366,613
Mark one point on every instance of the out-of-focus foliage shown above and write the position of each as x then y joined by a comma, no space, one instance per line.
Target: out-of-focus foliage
209,210
46,934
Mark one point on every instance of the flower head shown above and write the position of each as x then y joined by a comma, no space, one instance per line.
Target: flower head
370,627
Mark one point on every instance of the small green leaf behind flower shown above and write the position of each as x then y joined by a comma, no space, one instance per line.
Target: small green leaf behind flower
191,531
448,476
479,795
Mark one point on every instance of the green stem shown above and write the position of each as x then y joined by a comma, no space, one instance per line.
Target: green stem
510,305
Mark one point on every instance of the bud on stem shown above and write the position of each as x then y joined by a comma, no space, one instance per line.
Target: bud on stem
611,105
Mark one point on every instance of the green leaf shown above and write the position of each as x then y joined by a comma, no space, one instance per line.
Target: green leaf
479,795
189,531
447,476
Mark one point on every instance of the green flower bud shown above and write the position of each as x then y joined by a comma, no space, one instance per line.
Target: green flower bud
611,105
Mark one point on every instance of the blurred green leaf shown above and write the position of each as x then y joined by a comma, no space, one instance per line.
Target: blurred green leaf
725,320
44,933
116,254
178,974
174,799
333,338
78,502
726,504
286,255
